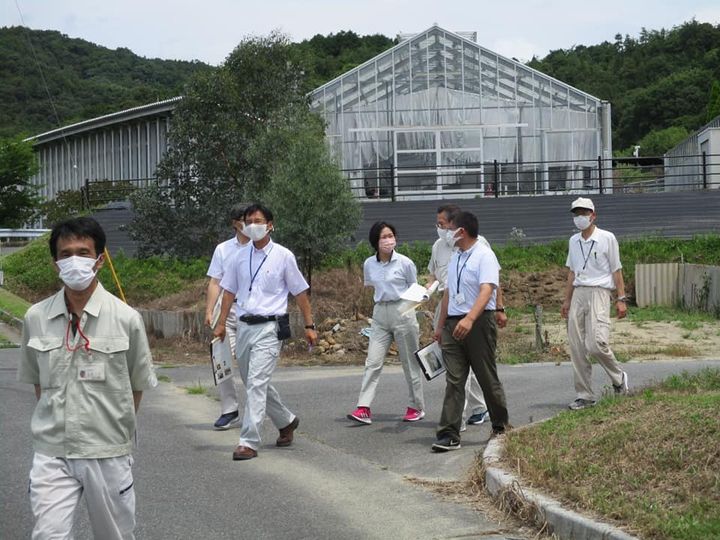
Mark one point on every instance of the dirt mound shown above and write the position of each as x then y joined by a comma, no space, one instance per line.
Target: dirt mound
546,288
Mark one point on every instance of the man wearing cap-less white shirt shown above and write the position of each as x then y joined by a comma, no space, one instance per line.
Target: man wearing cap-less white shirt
594,273
475,411
467,332
224,251
258,280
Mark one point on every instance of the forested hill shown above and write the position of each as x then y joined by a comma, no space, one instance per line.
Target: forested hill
84,79
657,81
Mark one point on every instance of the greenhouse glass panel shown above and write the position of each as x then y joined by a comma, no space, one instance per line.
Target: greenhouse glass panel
425,86
461,139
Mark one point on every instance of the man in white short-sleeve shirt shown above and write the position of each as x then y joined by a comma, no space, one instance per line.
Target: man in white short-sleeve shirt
594,272
475,411
467,332
229,415
258,279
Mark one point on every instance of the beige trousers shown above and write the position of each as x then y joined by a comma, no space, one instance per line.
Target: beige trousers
589,336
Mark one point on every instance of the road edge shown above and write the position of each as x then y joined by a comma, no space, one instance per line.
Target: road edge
566,524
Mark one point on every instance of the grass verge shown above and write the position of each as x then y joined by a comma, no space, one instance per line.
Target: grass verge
624,461
14,305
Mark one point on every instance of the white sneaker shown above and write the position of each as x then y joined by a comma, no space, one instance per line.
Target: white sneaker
581,403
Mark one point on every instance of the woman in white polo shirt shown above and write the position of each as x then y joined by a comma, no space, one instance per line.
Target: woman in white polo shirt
390,273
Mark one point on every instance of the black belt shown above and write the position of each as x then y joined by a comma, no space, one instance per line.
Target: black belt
458,317
260,319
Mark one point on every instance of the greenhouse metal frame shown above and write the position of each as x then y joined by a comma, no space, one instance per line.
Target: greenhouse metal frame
433,117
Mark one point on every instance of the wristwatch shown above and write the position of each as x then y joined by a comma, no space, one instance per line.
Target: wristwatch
500,309
622,299
310,326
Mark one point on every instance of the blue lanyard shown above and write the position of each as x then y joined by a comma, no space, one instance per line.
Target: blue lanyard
459,272
253,276
585,259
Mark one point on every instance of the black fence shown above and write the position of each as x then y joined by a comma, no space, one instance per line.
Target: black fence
495,179
502,179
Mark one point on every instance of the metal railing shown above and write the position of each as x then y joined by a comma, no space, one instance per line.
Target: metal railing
501,179
495,179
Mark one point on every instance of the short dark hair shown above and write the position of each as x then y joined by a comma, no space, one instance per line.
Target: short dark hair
237,212
257,207
79,227
376,229
467,221
449,210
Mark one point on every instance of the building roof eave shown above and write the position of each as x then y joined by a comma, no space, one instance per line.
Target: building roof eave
106,120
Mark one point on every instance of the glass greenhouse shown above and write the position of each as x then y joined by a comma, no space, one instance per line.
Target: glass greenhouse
440,116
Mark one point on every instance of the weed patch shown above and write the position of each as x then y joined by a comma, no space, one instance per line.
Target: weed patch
197,389
618,460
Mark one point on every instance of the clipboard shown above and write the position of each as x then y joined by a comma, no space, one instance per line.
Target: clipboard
431,360
221,360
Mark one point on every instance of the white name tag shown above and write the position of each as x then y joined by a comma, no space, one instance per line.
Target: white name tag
460,299
94,371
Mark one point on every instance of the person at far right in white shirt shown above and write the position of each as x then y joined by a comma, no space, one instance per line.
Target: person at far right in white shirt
594,273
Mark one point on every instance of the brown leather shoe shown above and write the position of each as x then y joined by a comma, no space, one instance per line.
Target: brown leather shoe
286,433
241,453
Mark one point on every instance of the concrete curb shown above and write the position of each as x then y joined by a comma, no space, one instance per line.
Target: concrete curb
10,319
566,524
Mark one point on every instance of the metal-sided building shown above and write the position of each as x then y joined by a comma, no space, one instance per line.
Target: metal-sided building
695,162
440,116
125,145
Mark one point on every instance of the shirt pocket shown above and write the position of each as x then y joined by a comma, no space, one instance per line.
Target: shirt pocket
52,361
112,351
272,282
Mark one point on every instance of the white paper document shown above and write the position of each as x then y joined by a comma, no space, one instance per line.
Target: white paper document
431,360
221,360
417,293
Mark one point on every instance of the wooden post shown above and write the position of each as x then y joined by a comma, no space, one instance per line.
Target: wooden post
539,344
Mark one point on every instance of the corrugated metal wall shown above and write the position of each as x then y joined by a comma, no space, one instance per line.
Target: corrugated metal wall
656,284
692,286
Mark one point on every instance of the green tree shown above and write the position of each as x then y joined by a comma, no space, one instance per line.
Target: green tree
314,207
659,141
18,197
214,129
66,204
713,108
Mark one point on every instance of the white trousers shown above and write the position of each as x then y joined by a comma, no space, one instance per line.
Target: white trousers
257,349
388,324
589,336
474,399
56,485
226,389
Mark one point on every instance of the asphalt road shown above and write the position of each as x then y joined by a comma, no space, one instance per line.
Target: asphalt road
337,481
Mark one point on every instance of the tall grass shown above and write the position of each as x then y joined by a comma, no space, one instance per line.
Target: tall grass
526,257
30,273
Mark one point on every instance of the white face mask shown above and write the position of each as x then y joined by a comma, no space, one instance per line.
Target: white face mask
386,245
451,239
582,222
77,273
255,231
440,233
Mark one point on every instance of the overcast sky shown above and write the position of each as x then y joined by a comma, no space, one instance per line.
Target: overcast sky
208,30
